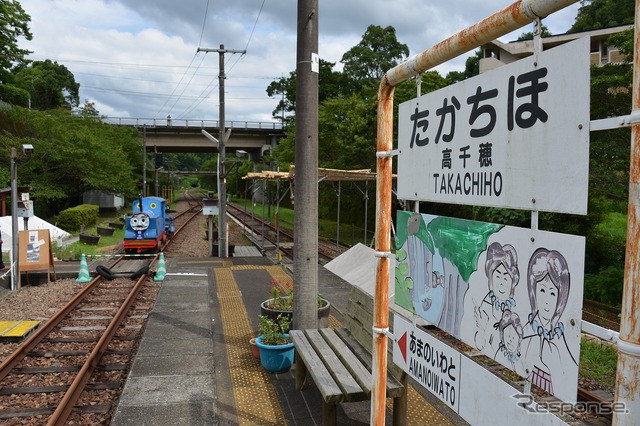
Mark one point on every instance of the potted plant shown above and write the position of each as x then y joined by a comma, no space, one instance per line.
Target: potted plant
255,350
276,347
281,304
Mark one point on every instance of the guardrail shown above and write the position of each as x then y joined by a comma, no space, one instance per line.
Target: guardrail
202,124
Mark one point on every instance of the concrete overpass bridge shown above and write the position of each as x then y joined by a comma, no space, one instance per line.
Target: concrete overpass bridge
184,135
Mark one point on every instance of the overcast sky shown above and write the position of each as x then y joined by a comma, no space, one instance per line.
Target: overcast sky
137,58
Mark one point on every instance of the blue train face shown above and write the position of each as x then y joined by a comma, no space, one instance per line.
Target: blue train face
139,222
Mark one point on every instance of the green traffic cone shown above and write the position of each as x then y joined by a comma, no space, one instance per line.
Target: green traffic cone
83,276
161,271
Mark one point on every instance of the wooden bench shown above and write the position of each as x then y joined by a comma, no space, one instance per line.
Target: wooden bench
339,361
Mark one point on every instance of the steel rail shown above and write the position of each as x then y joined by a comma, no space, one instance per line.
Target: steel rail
39,334
192,209
64,409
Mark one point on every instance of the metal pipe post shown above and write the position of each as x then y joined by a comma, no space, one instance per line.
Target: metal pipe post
628,370
15,277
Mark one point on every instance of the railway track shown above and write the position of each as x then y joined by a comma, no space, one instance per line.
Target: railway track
72,368
279,237
82,350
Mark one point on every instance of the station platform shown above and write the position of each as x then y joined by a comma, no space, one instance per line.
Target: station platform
194,365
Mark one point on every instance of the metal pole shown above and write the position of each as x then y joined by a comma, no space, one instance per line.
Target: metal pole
222,195
500,23
366,209
264,219
222,187
305,234
144,160
338,224
15,277
628,370
277,219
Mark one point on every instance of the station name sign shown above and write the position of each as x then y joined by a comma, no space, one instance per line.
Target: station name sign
515,137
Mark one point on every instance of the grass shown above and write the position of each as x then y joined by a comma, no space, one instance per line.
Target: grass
598,362
75,250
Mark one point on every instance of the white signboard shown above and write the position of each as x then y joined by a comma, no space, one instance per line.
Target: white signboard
512,293
430,362
515,137
461,383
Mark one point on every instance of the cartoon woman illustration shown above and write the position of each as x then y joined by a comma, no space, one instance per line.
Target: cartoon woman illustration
548,284
511,334
503,275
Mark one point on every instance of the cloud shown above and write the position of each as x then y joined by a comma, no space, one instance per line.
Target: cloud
140,58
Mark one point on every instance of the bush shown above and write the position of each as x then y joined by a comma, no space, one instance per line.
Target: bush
14,95
605,286
84,214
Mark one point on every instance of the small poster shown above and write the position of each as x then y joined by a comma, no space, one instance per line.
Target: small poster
35,253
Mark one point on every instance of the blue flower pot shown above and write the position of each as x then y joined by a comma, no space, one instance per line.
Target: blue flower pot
276,359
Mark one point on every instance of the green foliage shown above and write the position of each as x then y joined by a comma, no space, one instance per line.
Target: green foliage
71,154
50,84
595,14
330,85
235,184
607,243
505,216
624,42
75,250
598,362
14,23
14,95
273,332
377,52
72,218
605,286
347,129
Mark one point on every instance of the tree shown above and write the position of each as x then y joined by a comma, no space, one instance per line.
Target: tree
529,35
594,14
71,155
377,52
50,84
14,23
330,83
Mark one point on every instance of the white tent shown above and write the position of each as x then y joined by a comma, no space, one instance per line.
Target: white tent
35,222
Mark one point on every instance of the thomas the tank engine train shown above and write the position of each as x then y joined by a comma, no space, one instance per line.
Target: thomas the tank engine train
148,226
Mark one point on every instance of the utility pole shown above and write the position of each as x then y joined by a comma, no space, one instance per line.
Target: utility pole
144,160
305,226
222,175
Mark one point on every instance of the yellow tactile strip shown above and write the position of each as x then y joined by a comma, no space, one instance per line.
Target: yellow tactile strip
256,400
255,396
